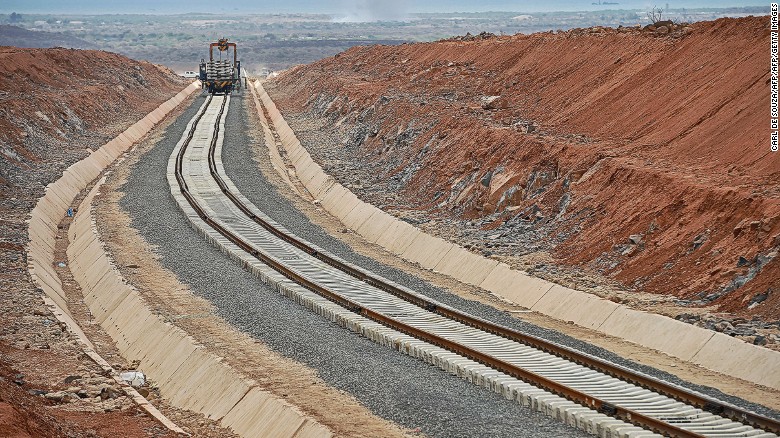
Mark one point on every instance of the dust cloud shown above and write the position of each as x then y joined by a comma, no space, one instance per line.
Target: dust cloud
362,11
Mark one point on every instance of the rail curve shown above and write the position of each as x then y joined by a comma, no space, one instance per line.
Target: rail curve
589,381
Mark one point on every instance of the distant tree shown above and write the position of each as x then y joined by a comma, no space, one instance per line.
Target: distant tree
14,17
655,14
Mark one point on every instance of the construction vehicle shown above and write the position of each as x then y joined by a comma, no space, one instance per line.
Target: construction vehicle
221,76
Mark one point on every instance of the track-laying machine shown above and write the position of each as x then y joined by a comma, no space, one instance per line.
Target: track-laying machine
221,76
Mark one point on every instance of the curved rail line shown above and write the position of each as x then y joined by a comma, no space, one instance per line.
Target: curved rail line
629,415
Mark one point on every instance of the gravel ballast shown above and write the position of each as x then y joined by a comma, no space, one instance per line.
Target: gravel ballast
394,386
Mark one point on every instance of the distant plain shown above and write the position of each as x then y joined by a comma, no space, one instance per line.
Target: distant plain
270,42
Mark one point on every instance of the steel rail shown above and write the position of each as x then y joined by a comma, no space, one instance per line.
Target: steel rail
510,369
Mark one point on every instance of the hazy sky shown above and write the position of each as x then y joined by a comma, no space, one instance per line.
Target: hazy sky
369,9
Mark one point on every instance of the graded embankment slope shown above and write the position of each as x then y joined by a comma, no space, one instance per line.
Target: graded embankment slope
644,156
55,105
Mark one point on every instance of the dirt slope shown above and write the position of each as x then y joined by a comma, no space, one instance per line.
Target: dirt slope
596,135
55,104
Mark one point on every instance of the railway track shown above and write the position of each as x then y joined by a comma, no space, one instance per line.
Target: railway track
491,355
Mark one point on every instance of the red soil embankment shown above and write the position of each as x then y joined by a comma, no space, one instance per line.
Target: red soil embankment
597,135
66,91
55,104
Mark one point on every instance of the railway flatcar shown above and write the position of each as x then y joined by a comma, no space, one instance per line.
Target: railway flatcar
223,74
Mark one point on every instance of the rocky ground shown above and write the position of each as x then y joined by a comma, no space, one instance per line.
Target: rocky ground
58,104
633,163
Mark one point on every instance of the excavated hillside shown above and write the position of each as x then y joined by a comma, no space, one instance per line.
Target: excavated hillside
642,155
55,106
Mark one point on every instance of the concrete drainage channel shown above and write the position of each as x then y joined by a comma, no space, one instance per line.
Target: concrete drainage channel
42,230
193,174
715,351
167,354
712,350
186,375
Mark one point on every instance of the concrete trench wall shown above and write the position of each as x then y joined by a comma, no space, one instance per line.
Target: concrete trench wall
187,375
709,349
59,195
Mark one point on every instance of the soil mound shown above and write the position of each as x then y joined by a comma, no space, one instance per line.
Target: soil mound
642,154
